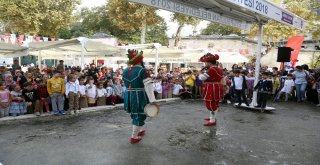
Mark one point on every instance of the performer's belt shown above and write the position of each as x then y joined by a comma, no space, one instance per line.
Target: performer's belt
135,89
213,83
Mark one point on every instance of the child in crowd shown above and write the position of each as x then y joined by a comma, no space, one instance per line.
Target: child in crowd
275,84
239,85
186,93
227,95
165,88
287,88
83,90
176,88
118,90
250,85
111,97
170,88
101,94
10,84
44,95
158,88
264,88
56,90
198,86
18,105
32,98
72,93
4,100
91,92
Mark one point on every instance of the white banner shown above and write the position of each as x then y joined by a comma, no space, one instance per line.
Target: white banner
271,11
193,11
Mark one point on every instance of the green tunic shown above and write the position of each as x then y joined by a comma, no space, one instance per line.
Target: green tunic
135,98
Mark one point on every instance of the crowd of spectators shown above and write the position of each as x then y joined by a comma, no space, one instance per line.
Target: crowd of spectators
60,88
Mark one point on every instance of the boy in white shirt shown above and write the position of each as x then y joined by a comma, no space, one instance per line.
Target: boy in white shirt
101,94
72,93
91,92
287,88
158,88
176,89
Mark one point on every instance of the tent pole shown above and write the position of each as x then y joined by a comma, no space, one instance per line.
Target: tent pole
39,60
20,61
157,61
82,54
257,67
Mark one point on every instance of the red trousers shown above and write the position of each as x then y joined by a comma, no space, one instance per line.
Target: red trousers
212,105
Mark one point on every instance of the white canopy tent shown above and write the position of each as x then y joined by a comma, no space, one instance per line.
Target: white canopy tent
73,48
11,50
236,13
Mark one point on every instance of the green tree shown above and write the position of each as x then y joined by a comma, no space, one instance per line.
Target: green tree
216,28
274,31
41,17
95,20
183,20
154,34
130,16
157,33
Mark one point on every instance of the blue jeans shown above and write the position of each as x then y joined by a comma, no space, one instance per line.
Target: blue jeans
301,91
57,101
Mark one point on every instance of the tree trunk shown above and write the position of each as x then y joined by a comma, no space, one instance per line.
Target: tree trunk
143,32
178,36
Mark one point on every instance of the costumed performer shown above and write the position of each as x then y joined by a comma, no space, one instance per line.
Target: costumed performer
212,88
138,94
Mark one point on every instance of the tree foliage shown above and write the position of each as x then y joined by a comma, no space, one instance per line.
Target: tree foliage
89,21
220,29
130,16
95,20
41,17
274,31
154,34
183,20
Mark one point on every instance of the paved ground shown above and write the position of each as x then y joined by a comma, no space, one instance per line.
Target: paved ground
291,135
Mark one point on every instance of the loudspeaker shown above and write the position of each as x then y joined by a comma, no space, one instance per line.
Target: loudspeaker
284,54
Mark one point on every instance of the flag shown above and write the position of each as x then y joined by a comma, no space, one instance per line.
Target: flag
295,43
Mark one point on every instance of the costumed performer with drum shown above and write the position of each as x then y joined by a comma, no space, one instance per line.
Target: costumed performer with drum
139,93
212,88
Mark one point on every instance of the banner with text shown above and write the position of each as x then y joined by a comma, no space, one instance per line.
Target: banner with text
178,7
271,11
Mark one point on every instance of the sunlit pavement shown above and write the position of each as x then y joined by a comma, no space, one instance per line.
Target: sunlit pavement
290,135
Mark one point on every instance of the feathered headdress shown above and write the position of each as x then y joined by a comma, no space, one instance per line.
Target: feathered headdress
209,57
135,56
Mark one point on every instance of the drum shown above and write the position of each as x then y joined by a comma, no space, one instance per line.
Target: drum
91,100
152,110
